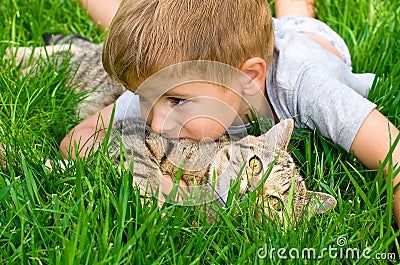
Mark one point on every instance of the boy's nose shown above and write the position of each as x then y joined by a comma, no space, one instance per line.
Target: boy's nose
158,120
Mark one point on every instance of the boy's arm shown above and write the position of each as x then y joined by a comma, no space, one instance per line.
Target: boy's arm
88,134
372,144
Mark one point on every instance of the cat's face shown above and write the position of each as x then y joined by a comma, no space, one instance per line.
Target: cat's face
264,161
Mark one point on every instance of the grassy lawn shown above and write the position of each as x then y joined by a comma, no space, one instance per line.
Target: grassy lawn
90,214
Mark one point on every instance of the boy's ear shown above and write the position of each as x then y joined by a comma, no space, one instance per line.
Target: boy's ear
255,69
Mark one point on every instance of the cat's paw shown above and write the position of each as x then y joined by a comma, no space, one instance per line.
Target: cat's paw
26,56
61,164
21,55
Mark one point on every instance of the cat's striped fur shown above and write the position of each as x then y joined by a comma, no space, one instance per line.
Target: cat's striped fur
85,59
215,166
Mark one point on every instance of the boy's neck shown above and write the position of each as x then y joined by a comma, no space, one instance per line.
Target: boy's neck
260,103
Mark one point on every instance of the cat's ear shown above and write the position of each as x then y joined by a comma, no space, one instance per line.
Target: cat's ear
320,202
279,135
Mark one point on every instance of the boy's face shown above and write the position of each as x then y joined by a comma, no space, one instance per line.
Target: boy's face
199,100
195,110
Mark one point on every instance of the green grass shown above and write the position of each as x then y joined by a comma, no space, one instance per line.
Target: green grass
90,214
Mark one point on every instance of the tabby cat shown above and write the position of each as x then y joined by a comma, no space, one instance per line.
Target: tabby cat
211,168
85,58
208,168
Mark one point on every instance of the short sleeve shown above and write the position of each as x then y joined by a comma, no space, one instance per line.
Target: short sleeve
332,107
127,106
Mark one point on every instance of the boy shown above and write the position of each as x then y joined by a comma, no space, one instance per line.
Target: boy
305,73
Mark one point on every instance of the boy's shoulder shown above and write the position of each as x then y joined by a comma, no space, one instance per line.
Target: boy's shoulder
318,89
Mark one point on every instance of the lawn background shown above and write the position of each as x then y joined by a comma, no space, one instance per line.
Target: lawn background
90,213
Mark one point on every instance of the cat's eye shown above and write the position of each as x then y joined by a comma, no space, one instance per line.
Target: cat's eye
275,203
255,165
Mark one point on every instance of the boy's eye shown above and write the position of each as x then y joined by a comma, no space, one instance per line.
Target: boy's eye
143,99
176,101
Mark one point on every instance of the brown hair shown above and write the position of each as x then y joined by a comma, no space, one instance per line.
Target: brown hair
149,35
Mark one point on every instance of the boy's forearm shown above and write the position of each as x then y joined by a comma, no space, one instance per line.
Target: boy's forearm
396,200
396,186
82,138
87,135
396,180
373,142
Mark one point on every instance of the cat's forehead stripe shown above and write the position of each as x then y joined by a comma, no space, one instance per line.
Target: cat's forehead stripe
244,145
149,148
